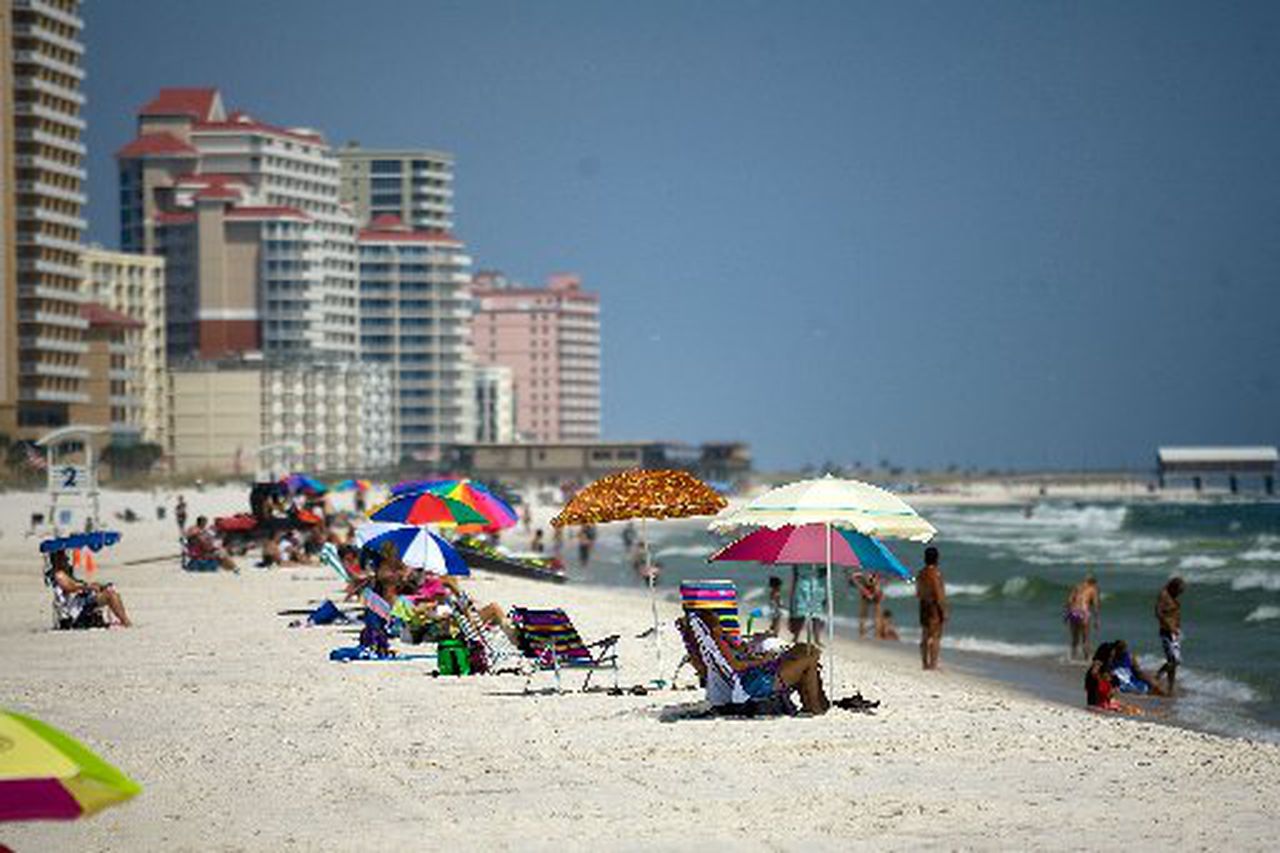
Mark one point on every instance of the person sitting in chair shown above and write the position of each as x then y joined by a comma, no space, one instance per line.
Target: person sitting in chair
203,552
78,602
769,673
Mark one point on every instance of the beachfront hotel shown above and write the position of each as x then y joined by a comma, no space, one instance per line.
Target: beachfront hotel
42,175
413,185
260,252
249,416
415,309
550,339
133,285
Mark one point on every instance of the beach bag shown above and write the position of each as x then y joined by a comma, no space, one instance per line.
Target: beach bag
452,658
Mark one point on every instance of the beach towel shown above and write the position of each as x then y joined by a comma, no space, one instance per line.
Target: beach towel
347,654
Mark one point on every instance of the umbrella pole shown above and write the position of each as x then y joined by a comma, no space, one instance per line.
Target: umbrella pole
831,626
653,599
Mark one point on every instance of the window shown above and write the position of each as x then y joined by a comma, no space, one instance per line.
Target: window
385,167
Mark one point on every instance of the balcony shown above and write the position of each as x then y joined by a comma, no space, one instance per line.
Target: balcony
43,60
46,164
49,395
44,344
45,190
47,318
50,11
31,83
63,371
40,214
28,108
27,134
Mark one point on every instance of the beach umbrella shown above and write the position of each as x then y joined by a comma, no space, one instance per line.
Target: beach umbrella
302,483
414,545
850,504
353,486
473,493
836,504
642,494
95,541
46,774
807,543
427,508
498,513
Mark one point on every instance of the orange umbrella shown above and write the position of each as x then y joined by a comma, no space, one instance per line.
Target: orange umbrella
643,494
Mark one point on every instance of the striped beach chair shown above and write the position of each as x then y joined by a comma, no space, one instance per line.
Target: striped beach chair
500,654
716,597
719,597
549,637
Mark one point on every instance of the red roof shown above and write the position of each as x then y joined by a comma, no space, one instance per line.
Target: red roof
375,234
211,179
239,122
157,145
266,213
166,218
100,315
387,221
193,103
217,192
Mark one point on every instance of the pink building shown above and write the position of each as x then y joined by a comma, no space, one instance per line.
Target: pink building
550,339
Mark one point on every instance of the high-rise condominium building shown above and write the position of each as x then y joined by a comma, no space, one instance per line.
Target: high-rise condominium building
133,285
415,186
550,338
8,262
43,220
260,253
415,308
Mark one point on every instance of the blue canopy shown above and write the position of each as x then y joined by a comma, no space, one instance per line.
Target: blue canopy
874,555
95,541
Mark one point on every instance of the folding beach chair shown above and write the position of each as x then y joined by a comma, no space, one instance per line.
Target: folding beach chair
717,597
500,654
725,684
549,637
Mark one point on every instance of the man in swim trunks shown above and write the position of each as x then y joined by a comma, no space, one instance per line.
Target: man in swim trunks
1169,618
1084,605
933,608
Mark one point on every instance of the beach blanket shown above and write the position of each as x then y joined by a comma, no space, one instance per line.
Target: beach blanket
347,654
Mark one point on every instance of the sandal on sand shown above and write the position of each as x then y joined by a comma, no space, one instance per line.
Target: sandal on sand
857,703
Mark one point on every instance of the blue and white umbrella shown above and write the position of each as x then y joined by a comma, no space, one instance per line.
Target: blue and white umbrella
415,545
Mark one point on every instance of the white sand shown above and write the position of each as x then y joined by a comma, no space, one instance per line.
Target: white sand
246,737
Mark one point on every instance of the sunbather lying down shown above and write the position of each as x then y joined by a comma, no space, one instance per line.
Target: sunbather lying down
768,673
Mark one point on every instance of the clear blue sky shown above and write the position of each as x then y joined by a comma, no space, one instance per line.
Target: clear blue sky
998,234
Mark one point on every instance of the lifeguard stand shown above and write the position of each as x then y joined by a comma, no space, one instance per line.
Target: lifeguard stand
73,473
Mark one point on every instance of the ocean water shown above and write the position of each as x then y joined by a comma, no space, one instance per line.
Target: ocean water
1008,575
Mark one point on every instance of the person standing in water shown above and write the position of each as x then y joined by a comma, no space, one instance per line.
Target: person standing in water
870,600
1084,605
1169,619
932,593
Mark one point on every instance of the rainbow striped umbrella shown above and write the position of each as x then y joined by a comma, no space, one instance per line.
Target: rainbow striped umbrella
46,774
353,486
427,508
473,493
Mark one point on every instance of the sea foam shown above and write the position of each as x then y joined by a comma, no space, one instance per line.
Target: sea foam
1263,613
1257,579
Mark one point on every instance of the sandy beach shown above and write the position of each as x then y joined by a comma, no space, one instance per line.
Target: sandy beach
246,737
